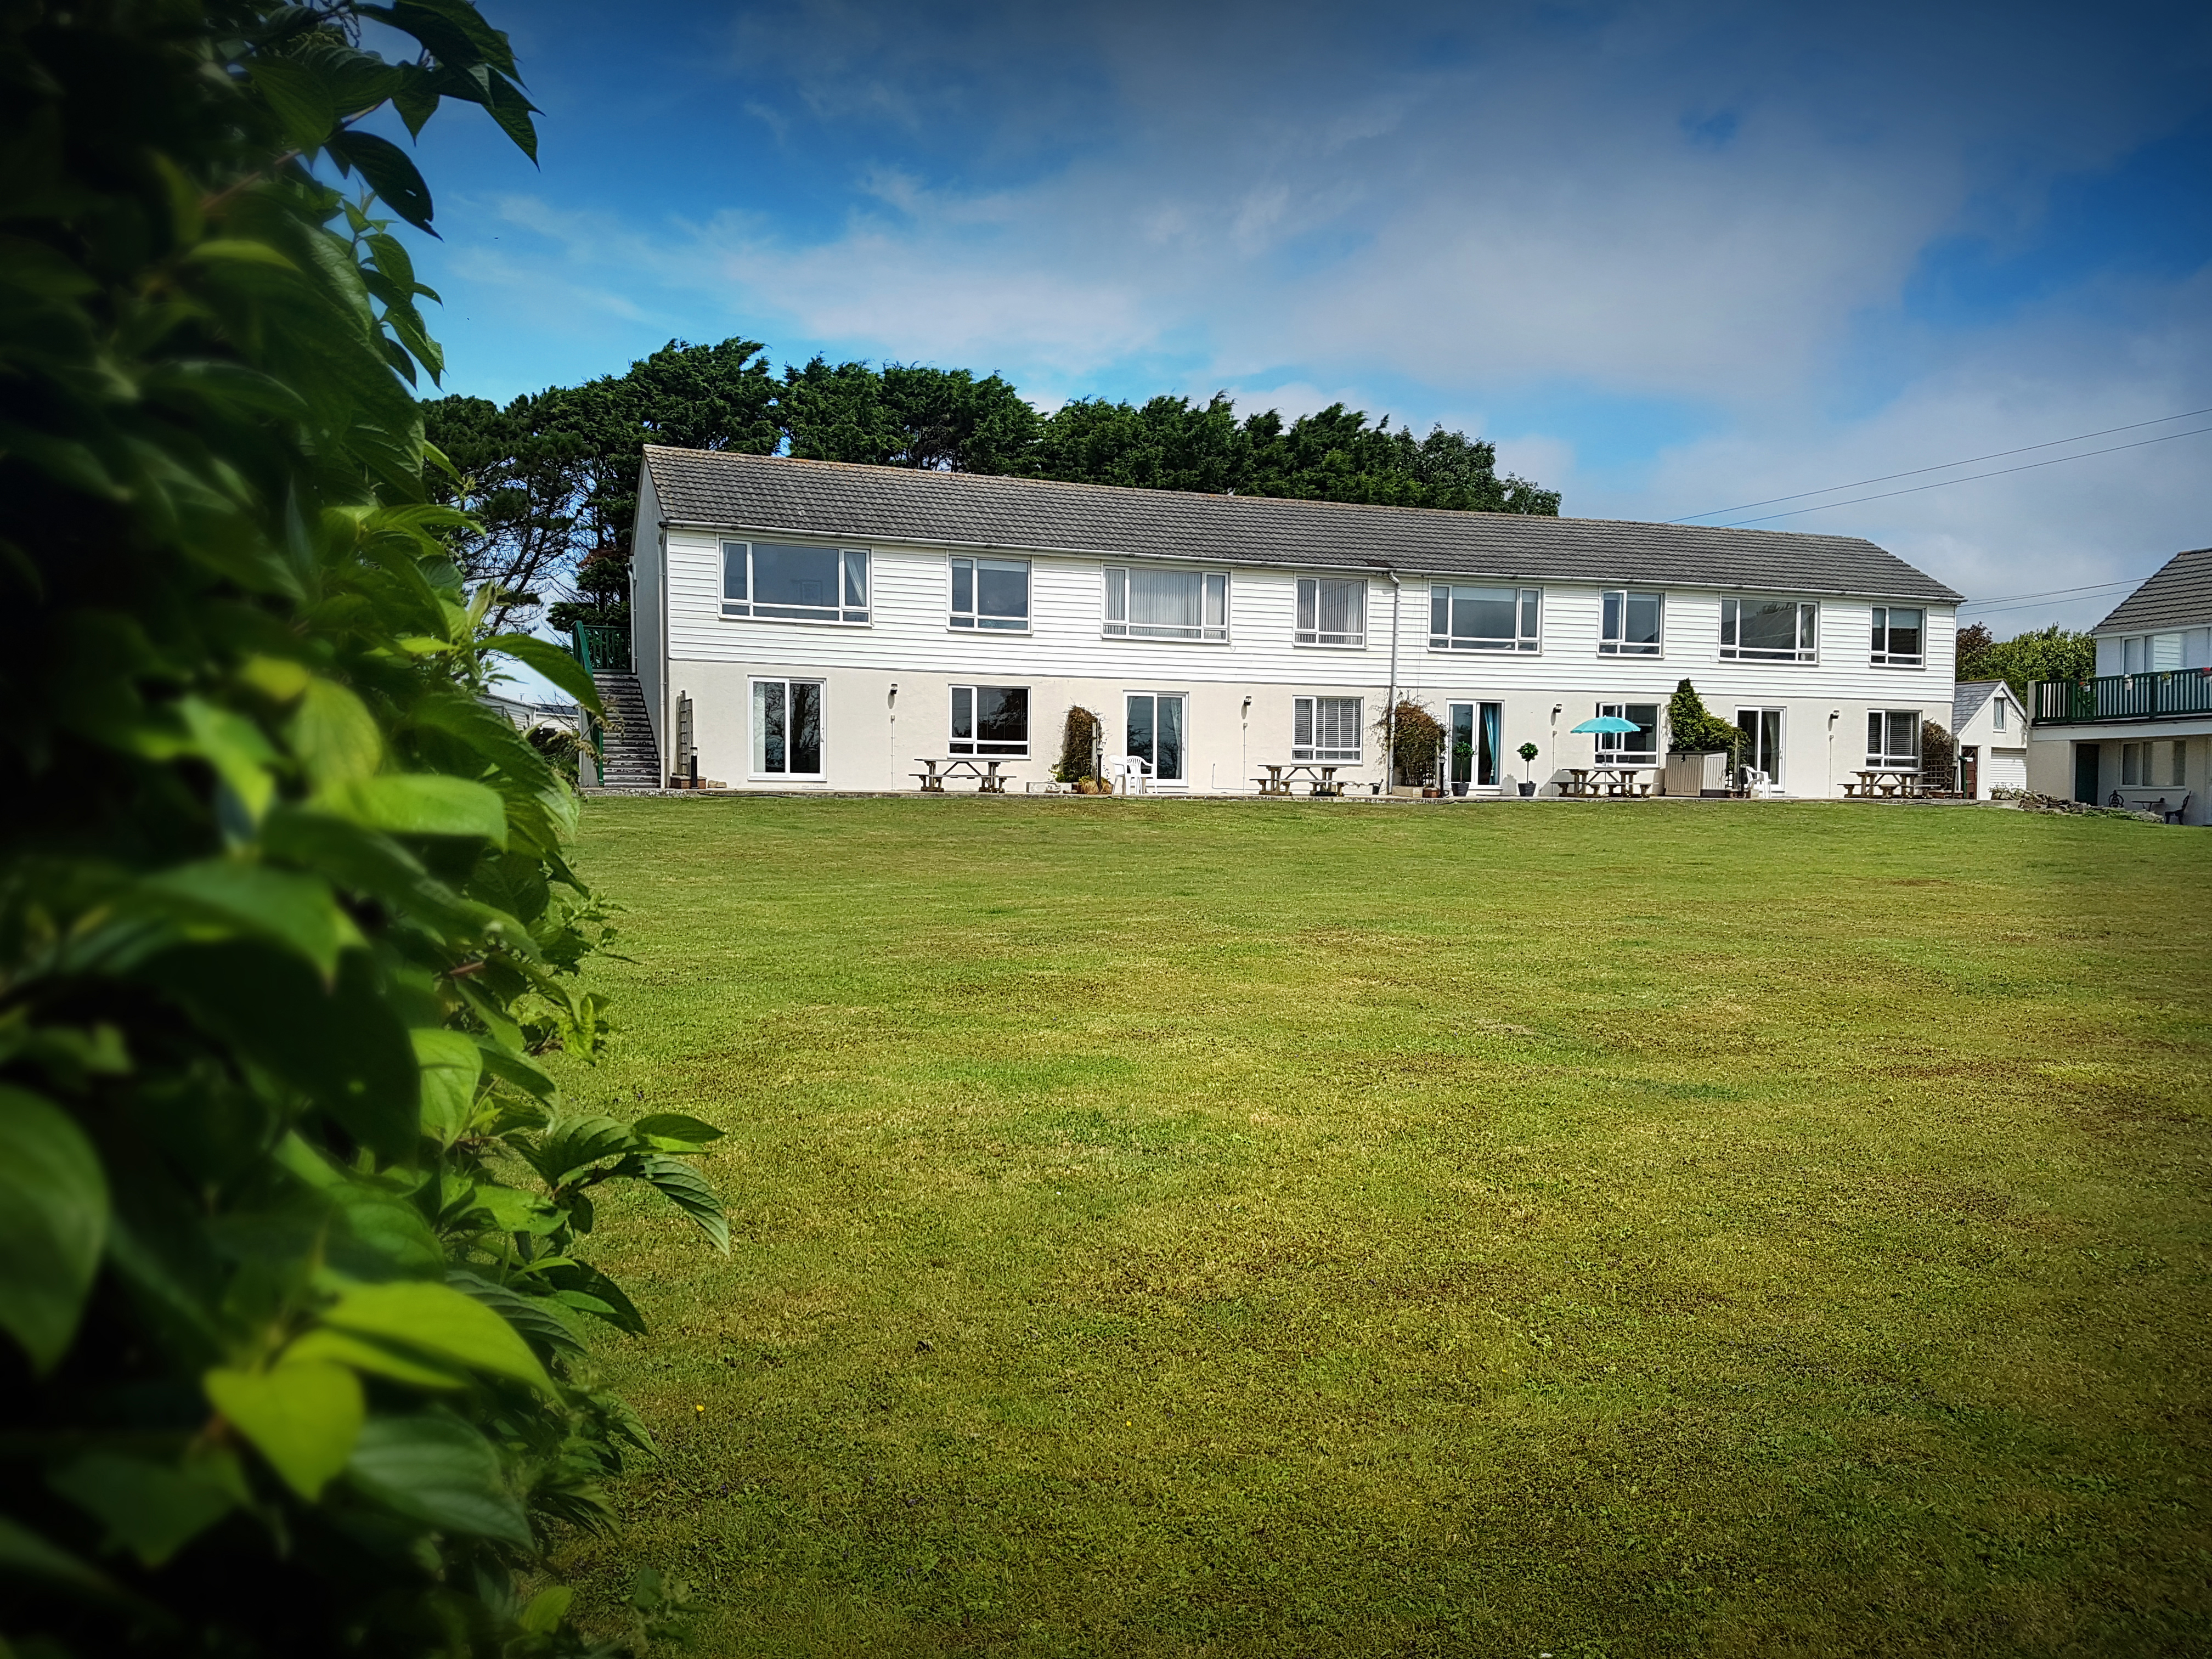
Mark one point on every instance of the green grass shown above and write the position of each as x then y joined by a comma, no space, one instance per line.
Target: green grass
1259,1228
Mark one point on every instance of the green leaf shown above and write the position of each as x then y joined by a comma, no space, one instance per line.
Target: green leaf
298,97
235,748
676,1127
451,1065
149,1510
529,1314
546,1610
304,1418
513,1211
335,736
440,1472
340,1044
524,1072
419,804
389,172
365,1354
687,1189
557,665
572,1145
439,1320
53,1221
381,1237
230,896
23,1552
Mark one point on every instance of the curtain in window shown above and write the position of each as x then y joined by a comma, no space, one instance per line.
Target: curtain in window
1164,598
1493,720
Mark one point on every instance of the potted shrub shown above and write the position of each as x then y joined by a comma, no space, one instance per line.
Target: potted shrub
1462,763
1529,752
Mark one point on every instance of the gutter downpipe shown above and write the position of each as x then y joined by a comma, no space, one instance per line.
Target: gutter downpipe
1391,721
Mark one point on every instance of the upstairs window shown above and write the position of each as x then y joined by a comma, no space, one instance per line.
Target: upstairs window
1997,715
1325,729
2150,653
1331,611
1894,740
780,583
1898,636
1484,618
990,720
1769,630
991,593
1144,603
1631,624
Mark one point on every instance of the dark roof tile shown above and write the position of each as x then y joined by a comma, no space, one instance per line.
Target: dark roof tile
2179,594
721,489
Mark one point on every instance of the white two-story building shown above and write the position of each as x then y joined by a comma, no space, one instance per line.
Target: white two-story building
2139,732
811,625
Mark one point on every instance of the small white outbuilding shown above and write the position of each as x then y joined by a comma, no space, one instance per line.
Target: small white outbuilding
1991,732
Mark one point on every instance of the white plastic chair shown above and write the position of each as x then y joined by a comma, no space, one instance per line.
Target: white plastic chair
1127,774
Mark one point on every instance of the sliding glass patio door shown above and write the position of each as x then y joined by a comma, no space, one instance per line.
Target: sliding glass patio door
1155,732
1474,730
1764,727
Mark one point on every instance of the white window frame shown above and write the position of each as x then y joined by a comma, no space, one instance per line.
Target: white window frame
854,564
1309,630
974,619
1997,713
2139,652
756,739
1885,759
1808,648
974,749
1883,657
1308,708
1612,624
1609,749
1213,603
2139,763
1527,619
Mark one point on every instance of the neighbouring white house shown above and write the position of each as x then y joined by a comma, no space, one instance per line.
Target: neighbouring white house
807,625
2140,732
1991,730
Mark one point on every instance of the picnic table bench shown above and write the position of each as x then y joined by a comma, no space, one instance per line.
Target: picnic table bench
938,768
1619,781
1889,783
1279,779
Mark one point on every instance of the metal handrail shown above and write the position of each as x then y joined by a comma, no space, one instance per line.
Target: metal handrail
2160,693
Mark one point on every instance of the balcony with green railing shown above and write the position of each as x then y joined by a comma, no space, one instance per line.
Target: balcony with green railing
604,648
2165,694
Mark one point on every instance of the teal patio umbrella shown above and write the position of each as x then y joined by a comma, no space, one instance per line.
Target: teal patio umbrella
1609,723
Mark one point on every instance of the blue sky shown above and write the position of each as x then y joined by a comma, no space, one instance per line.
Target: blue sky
1671,258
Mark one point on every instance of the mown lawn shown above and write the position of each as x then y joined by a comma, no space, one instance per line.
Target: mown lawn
1271,1228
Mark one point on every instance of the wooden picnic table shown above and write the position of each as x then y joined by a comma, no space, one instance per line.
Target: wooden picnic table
1614,780
1889,782
939,767
1279,779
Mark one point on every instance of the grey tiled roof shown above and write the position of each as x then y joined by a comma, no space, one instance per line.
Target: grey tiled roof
1967,700
2177,595
723,490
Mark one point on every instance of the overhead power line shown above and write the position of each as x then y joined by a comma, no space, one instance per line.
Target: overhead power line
1970,460
2054,593
2110,449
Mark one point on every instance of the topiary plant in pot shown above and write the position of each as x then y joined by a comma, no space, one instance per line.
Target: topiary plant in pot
1529,752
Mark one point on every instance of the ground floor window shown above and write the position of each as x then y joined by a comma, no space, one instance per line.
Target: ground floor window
1637,748
788,728
1154,733
1325,729
1764,727
1894,740
990,720
2152,765
1473,731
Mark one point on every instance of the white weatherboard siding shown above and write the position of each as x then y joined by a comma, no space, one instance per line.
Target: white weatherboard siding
648,609
871,740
